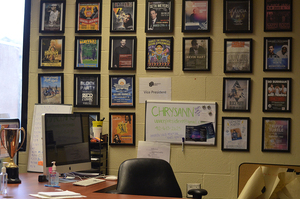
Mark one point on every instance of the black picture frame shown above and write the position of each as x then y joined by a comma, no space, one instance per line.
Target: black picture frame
237,16
159,53
52,16
51,52
86,90
196,54
237,55
123,15
50,88
122,91
277,94
278,16
122,128
236,94
122,54
274,58
88,16
155,21
276,134
196,15
235,133
87,53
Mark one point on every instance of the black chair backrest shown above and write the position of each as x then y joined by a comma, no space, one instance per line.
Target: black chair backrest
147,176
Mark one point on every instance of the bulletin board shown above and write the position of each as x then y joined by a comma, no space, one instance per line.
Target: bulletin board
35,157
173,121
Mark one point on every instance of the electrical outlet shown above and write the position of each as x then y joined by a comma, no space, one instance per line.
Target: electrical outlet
190,186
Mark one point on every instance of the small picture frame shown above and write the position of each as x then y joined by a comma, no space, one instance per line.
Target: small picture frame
278,15
159,16
122,53
277,53
195,16
123,16
51,88
51,52
159,53
87,53
122,129
276,134
238,56
236,94
88,16
86,90
235,133
237,16
196,54
122,91
277,94
52,16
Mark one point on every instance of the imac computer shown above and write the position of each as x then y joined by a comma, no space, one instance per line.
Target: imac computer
66,140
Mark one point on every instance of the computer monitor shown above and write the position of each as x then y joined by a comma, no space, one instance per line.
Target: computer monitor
66,141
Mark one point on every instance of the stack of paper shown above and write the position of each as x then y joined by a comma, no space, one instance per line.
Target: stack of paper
58,194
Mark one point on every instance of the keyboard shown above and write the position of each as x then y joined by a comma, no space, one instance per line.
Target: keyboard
88,182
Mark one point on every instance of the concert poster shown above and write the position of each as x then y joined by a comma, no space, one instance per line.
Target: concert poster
51,52
159,53
276,134
88,16
237,56
52,16
50,88
237,16
277,54
235,132
122,91
122,129
87,54
277,94
278,15
196,15
123,15
87,90
236,93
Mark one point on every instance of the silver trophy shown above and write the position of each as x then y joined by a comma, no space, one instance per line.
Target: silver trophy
10,141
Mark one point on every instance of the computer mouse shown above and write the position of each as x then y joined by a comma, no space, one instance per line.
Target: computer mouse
111,178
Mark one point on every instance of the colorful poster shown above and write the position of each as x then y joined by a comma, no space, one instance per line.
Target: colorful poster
122,91
88,16
52,17
122,129
159,54
87,90
196,54
159,15
51,89
236,92
51,52
235,134
277,94
238,56
87,53
122,52
196,15
123,16
277,53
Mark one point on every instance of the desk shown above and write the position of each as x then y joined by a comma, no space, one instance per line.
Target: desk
30,185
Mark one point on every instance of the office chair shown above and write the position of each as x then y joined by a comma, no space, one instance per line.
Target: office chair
151,177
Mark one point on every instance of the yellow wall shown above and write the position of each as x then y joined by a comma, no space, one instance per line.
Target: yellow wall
216,170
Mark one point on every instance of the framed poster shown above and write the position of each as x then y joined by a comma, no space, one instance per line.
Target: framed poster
51,52
121,91
159,16
277,94
159,53
86,90
278,15
237,55
52,16
122,53
237,16
236,94
196,53
122,129
195,16
87,53
51,88
276,134
88,16
277,53
235,133
123,16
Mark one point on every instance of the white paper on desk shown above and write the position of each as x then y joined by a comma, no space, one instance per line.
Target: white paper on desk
59,193
157,150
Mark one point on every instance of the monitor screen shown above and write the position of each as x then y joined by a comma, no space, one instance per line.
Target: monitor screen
66,141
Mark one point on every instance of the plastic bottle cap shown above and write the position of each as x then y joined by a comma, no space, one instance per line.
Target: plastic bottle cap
54,166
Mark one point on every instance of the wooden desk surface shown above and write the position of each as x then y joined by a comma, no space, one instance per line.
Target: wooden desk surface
30,185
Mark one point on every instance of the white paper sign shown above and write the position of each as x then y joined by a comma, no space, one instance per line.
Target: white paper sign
158,150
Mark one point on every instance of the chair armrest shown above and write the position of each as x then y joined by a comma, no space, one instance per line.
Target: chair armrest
197,193
113,192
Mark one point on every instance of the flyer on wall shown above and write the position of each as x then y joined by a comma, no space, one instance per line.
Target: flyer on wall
122,16
87,91
159,15
122,93
51,52
88,16
122,128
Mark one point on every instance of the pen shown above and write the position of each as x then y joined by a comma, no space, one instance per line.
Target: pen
182,142
46,185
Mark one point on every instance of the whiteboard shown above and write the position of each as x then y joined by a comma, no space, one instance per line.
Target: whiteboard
171,121
35,157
